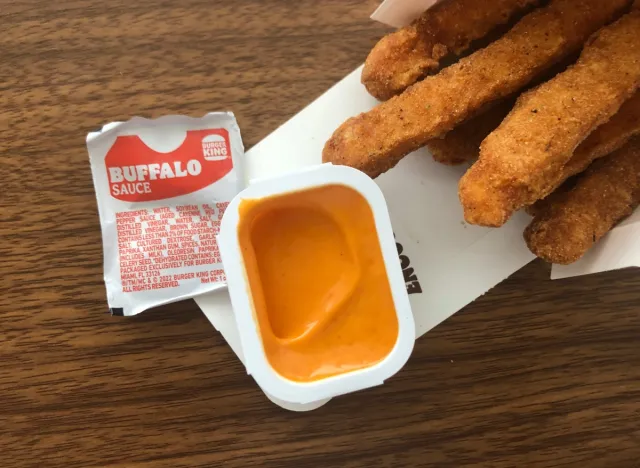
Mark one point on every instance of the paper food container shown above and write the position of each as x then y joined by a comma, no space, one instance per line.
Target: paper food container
446,263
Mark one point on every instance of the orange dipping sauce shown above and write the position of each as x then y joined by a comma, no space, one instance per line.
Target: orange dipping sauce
320,291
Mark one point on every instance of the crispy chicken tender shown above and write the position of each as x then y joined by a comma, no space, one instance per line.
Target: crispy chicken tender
403,57
603,141
462,144
574,220
377,140
520,161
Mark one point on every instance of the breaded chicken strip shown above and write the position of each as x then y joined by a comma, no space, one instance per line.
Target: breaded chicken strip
605,139
520,161
462,144
375,141
576,219
409,54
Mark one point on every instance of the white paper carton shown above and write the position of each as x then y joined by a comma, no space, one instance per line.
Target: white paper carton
447,263
615,251
399,13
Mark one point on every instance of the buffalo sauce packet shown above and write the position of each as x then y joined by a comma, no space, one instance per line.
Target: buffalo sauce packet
162,187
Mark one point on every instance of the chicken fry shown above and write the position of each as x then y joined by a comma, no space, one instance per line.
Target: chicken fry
520,161
462,144
403,57
603,141
574,220
377,140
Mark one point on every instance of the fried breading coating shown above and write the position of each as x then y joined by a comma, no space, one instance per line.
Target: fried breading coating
377,140
521,160
605,139
403,57
575,219
462,144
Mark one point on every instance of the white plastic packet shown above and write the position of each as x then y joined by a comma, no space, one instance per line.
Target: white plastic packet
162,187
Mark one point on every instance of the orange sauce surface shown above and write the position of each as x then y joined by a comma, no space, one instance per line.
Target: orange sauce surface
319,286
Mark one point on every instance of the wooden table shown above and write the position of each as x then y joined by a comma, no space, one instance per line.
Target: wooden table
534,374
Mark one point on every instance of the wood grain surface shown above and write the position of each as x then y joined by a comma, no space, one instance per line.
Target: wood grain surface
534,374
